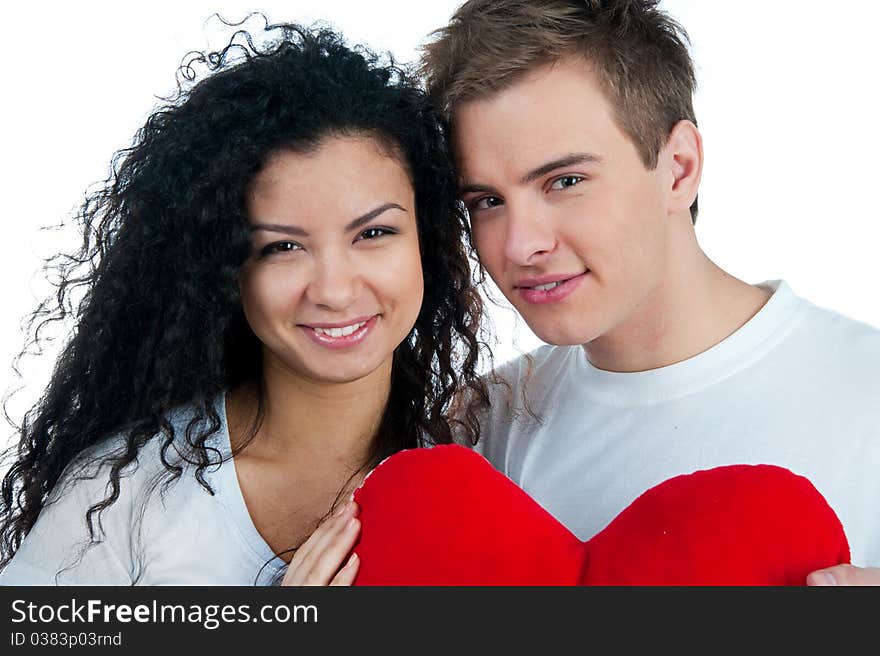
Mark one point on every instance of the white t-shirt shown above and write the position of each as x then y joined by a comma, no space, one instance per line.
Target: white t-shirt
184,537
797,386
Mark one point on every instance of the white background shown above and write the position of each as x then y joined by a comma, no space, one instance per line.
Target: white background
787,105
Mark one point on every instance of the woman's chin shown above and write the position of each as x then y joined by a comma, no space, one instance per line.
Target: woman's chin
346,372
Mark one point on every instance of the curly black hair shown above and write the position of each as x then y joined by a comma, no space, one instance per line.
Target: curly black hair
152,291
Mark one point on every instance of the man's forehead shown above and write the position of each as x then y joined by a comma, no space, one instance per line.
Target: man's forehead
481,155
561,114
546,83
561,100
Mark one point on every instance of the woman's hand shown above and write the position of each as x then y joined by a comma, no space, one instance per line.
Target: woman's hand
319,559
845,575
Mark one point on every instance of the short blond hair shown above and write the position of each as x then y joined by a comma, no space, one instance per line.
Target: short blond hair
639,53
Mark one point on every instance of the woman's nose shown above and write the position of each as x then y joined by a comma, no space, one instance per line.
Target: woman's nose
335,283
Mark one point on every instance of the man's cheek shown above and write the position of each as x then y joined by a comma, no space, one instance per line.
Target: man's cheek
489,245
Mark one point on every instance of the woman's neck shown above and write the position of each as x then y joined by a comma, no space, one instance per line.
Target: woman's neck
310,421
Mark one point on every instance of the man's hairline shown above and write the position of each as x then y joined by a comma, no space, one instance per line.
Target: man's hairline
548,63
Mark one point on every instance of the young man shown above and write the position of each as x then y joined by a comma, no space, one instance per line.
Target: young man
580,161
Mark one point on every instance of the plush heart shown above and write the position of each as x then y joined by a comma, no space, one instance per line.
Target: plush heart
445,516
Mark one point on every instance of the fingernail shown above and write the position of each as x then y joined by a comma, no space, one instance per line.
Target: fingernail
341,510
351,523
352,560
821,578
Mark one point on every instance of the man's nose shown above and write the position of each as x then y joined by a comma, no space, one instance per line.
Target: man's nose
529,237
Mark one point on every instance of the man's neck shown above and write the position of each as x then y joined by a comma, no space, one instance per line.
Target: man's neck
695,307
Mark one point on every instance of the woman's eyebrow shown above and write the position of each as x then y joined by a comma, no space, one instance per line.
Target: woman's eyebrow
372,214
280,227
296,231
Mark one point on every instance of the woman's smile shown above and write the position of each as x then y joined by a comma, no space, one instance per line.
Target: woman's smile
341,336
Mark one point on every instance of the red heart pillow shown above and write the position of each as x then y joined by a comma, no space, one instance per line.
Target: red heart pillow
445,516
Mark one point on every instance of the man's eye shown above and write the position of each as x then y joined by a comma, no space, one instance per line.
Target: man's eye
486,203
566,181
280,247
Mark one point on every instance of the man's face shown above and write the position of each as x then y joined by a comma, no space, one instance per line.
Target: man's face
566,219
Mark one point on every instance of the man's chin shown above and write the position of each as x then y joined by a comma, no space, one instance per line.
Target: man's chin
558,336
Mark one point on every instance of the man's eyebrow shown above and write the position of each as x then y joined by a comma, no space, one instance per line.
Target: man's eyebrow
571,159
561,162
354,225
475,189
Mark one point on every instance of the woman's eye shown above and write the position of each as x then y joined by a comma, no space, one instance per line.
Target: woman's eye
280,247
372,233
485,203
566,181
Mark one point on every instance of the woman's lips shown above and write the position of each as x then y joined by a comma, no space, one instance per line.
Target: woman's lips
560,290
322,338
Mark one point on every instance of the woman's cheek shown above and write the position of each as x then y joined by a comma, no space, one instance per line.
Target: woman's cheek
271,293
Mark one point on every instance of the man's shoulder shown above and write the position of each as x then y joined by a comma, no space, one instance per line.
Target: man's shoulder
518,389
534,364
841,351
839,333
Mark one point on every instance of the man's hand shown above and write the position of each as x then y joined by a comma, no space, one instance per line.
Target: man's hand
845,575
319,559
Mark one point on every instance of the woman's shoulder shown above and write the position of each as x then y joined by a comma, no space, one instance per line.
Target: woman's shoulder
56,549
182,431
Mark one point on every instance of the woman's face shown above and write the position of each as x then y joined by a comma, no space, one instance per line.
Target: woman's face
334,281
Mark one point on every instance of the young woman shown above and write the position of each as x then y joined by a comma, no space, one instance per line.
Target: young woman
274,295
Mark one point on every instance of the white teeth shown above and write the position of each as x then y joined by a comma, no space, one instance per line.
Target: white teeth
548,286
340,332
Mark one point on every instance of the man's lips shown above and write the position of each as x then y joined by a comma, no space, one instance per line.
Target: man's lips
549,279
549,288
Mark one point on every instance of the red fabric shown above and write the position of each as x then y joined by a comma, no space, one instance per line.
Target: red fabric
445,516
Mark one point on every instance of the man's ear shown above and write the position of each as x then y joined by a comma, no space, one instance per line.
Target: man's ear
684,157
